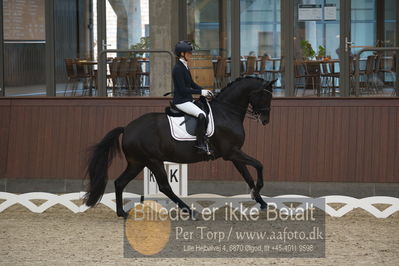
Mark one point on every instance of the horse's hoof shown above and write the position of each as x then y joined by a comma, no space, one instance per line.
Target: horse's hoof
122,214
263,207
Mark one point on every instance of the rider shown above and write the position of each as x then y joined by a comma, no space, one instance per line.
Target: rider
184,87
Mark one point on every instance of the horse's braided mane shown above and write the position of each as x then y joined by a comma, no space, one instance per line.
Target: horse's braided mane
237,80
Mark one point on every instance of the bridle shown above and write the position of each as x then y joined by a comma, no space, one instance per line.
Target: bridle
253,113
256,112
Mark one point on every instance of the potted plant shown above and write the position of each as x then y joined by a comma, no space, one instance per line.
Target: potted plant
321,53
308,52
142,45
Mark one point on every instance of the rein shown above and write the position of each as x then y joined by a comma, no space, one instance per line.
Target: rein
233,108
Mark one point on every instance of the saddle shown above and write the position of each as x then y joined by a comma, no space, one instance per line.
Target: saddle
183,125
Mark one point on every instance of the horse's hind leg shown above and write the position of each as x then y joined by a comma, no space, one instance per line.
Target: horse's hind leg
131,171
158,170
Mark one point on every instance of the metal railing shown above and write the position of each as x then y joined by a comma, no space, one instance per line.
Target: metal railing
357,66
102,66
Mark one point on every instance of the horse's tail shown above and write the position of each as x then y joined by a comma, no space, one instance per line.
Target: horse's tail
99,161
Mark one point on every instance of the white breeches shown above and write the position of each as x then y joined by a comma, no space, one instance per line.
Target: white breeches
190,108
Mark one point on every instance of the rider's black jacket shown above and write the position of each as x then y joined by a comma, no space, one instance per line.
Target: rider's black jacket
184,84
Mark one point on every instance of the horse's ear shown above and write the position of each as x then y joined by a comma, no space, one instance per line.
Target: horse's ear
272,82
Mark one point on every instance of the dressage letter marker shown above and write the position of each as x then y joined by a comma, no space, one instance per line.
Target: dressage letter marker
172,174
177,177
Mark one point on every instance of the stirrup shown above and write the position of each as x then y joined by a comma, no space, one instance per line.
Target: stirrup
204,148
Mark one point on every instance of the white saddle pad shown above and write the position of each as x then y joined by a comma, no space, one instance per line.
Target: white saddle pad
178,128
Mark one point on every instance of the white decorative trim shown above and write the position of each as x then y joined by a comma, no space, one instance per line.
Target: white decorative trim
108,200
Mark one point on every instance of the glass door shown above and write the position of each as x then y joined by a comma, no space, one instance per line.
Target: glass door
260,36
208,26
23,45
390,39
317,48
125,26
75,47
373,26
209,29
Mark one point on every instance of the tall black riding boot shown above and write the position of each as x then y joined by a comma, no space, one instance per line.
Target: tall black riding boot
202,145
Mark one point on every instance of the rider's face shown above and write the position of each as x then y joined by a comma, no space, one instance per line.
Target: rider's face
187,55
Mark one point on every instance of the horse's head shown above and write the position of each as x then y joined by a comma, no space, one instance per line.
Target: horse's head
256,92
260,100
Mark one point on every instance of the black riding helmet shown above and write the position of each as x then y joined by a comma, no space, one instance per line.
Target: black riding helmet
183,46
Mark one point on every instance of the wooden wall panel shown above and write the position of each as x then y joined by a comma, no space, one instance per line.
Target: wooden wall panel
391,151
4,134
343,140
395,146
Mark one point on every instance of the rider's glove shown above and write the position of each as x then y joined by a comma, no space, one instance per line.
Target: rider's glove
206,93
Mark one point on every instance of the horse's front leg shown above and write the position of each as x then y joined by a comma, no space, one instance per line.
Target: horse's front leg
240,160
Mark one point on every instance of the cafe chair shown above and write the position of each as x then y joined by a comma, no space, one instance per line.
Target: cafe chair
324,78
303,77
378,77
143,76
334,75
71,76
85,76
221,75
250,66
122,76
387,69
352,76
328,78
113,75
272,74
367,76
119,72
132,77
261,71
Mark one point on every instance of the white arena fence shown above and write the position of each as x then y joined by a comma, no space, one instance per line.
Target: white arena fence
349,203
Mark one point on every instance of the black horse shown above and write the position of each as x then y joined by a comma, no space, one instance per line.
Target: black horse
147,142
